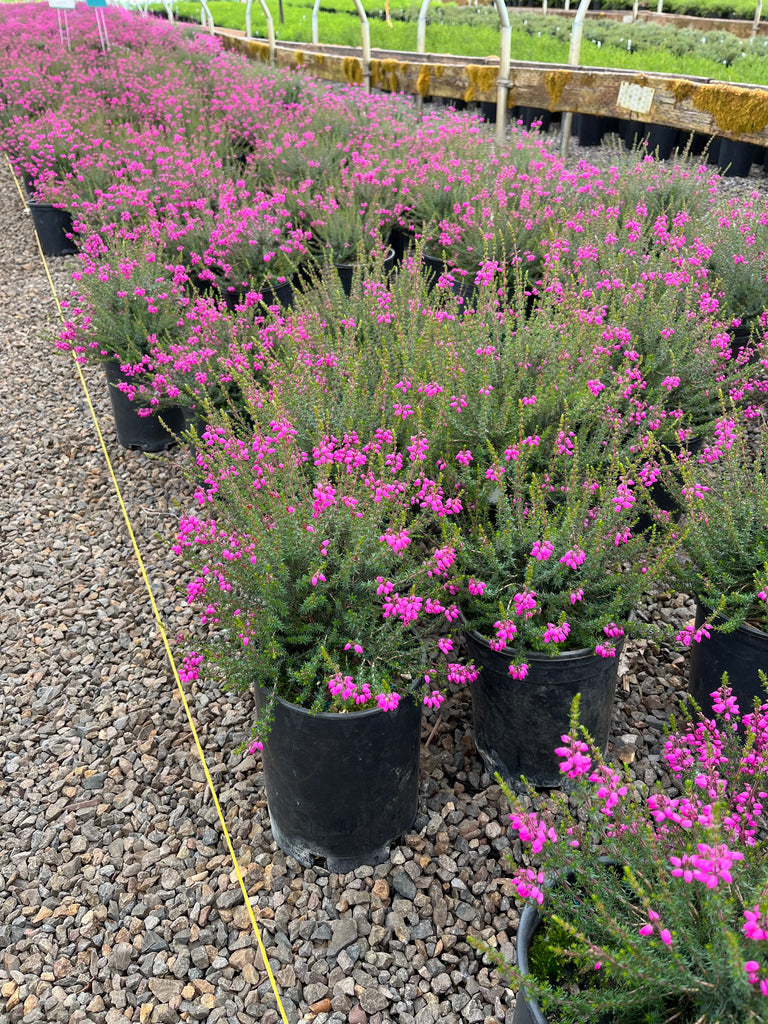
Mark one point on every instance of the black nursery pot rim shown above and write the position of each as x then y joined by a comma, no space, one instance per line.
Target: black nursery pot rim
53,206
342,715
746,626
530,919
350,266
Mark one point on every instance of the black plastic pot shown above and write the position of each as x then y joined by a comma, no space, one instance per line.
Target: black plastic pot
590,129
488,112
29,185
346,271
741,654
696,142
527,1009
666,494
735,158
341,788
201,286
141,433
275,295
742,338
661,140
401,240
463,286
633,133
54,229
519,722
535,115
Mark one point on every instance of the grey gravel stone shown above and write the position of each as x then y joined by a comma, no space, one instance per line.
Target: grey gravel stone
121,956
343,933
403,884
153,943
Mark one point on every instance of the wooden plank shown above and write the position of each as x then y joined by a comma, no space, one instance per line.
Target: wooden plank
694,104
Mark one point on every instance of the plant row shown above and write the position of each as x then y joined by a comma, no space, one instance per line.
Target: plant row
485,438
606,43
431,391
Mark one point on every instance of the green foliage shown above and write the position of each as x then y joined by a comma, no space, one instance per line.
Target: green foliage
131,297
738,259
348,222
292,557
725,496
625,933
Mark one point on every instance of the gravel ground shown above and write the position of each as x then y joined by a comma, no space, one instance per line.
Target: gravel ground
118,900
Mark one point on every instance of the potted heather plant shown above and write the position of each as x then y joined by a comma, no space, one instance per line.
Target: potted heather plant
253,247
738,261
644,904
127,298
725,499
350,227
323,592
550,567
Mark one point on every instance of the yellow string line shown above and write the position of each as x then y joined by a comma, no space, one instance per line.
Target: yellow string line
163,633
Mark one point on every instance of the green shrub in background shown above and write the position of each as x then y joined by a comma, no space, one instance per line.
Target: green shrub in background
474,32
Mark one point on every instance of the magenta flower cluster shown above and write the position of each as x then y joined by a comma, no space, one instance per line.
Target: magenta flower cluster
689,869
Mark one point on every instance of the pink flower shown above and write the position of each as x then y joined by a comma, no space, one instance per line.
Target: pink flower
434,699
505,631
573,558
604,651
648,929
397,541
690,635
624,497
556,634
752,967
460,674
388,701
541,550
525,604
529,884
573,757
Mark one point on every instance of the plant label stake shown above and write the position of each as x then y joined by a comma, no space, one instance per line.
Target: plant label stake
61,7
574,56
101,23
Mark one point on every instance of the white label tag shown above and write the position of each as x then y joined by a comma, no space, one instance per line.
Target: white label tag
62,5
635,97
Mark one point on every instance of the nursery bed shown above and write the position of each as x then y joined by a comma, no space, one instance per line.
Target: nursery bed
119,898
